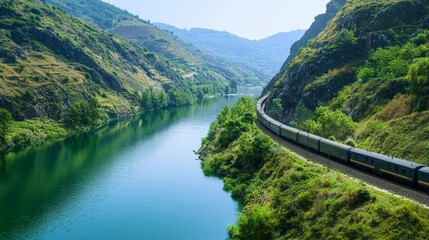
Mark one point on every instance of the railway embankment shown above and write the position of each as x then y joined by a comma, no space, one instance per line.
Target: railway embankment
283,196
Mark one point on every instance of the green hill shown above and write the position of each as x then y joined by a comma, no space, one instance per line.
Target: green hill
370,63
188,60
264,57
58,73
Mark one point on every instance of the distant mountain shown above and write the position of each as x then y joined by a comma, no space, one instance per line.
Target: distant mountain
186,58
265,56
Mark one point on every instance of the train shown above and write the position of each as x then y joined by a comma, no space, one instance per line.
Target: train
397,169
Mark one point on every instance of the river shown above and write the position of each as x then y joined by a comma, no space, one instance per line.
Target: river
134,179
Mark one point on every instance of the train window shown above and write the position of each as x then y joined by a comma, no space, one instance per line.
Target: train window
366,159
396,169
404,171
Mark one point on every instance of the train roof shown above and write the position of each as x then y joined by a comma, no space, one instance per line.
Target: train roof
309,135
275,121
385,158
336,144
425,170
289,128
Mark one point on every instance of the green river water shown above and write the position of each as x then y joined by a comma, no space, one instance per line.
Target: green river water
135,179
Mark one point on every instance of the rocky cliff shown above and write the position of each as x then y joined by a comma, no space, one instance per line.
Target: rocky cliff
362,64
319,24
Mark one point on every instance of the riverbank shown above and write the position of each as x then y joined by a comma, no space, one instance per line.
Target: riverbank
285,197
136,175
36,131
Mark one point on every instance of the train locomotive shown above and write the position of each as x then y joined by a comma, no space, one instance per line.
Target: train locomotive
401,170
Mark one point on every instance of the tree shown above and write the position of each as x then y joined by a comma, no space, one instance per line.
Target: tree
5,121
147,100
418,75
86,113
331,123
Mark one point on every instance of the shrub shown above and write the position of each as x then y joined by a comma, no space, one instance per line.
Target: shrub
344,40
418,75
86,113
351,142
277,103
331,123
256,223
5,121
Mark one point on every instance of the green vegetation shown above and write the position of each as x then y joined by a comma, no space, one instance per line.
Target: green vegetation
5,121
154,100
345,39
34,131
369,67
418,75
69,72
190,62
86,113
331,123
284,197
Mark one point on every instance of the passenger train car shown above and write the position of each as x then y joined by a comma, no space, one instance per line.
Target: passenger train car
382,165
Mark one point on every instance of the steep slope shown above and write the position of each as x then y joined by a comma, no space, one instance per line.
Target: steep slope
371,63
59,73
264,56
320,22
186,59
50,60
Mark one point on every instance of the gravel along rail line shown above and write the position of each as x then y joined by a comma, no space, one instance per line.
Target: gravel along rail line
383,184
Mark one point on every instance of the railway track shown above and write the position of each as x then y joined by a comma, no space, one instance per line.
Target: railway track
383,184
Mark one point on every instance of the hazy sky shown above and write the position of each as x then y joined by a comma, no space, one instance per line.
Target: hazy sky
254,19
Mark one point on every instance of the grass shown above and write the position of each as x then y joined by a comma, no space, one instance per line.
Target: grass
34,131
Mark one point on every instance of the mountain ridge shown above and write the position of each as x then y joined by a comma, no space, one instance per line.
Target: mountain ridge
188,59
265,56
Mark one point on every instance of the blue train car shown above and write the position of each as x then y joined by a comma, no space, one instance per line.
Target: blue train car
335,149
385,165
289,133
423,177
309,140
274,126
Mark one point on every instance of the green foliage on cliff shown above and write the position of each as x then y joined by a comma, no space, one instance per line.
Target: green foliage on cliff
331,123
284,197
418,75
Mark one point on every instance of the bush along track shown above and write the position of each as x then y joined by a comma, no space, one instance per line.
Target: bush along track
284,197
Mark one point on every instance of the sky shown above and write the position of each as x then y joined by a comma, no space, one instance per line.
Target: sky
252,19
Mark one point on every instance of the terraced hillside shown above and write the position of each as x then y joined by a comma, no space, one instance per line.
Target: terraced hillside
190,61
54,67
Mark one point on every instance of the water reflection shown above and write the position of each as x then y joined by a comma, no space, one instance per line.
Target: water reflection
36,180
